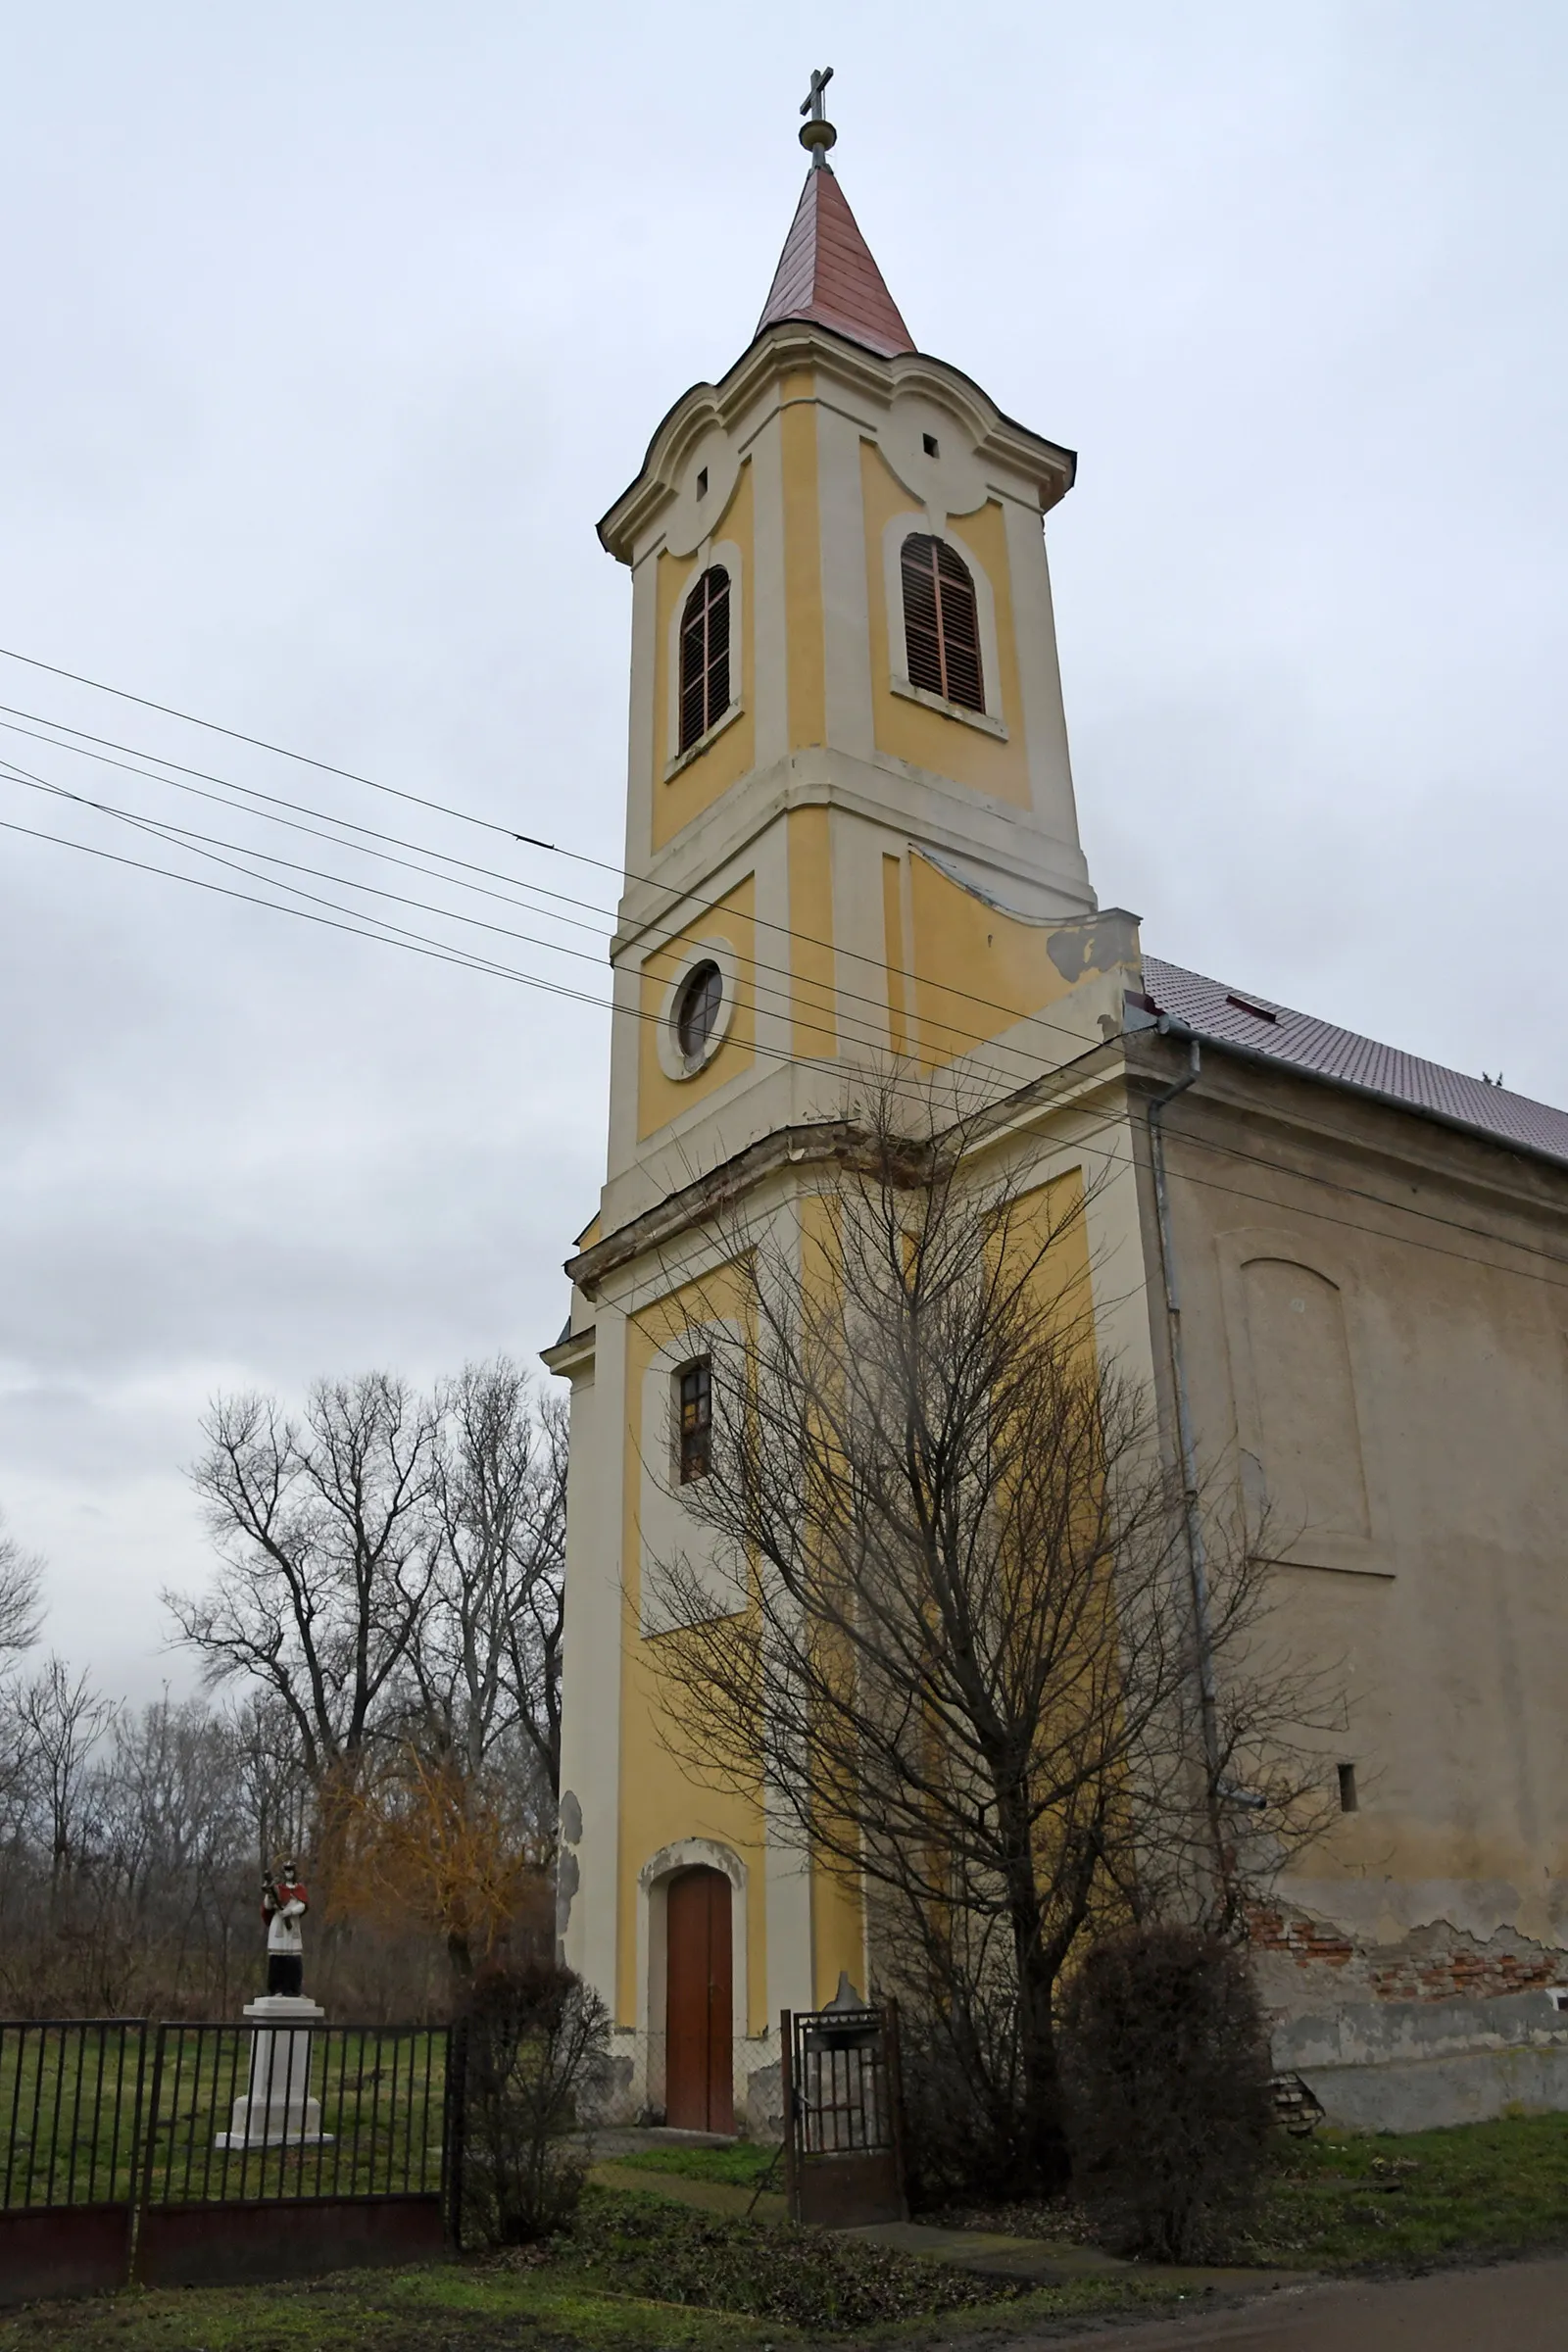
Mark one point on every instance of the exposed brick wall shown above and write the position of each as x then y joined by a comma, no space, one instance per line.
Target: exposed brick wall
1430,1964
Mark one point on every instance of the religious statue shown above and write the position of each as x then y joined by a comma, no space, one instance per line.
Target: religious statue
284,1904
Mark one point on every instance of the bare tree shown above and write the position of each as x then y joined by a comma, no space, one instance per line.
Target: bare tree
21,1606
968,1669
485,1663
61,1719
327,1539
21,1615
455,1824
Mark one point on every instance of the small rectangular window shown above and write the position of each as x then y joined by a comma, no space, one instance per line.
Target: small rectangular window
701,483
694,1389
930,442
1349,1802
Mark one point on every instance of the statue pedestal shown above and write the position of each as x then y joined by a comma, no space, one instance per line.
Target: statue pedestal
277,2110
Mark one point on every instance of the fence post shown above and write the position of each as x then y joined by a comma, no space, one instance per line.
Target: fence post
143,2151
144,2027
894,2060
454,2137
786,2084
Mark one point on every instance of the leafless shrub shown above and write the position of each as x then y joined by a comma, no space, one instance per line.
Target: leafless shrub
1165,2054
537,2040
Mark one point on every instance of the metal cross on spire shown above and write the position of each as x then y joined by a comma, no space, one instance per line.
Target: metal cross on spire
818,132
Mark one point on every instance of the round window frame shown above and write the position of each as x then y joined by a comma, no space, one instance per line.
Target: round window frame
697,1009
672,1061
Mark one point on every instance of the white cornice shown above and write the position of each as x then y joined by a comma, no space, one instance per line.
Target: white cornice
949,819
795,344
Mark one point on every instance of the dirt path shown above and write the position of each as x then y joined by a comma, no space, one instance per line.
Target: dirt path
1516,2307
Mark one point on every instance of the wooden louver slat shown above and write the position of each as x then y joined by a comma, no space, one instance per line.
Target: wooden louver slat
705,655
940,622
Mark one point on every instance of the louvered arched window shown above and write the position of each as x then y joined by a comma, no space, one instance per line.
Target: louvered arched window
940,625
705,655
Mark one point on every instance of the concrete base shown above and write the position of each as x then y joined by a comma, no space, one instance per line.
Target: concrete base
1418,2066
277,2110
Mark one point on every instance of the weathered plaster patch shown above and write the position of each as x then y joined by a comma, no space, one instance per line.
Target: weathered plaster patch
1308,1965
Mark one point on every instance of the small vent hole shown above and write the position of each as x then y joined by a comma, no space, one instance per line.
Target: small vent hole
701,483
930,445
1349,1802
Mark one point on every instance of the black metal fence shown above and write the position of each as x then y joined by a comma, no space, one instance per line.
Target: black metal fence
70,2093
171,2152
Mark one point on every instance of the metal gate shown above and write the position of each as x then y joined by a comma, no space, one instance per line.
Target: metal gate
842,2148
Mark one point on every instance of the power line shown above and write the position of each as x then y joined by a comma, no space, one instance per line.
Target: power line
260,744
467,817
947,1028
187,837
392,935
677,896
414,942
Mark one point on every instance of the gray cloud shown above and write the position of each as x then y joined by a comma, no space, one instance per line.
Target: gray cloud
331,337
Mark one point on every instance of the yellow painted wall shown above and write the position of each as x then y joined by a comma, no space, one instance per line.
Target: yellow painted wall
814,1033
1052,1218
658,1802
964,950
908,730
896,952
732,754
804,650
734,920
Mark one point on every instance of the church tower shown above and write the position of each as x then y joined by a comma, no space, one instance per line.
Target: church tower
850,846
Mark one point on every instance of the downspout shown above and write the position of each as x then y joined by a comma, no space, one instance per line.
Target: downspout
1197,1555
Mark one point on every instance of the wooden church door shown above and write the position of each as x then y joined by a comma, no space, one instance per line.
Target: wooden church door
699,2065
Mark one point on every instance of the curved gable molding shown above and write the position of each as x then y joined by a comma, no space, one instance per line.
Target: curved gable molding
1309,1487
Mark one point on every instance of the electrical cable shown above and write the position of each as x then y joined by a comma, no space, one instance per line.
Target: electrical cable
414,942
187,837
394,935
927,1021
442,808
467,817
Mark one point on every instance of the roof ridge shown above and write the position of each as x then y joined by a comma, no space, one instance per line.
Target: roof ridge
1348,1058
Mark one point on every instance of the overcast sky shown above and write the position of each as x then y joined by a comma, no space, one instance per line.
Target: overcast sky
331,332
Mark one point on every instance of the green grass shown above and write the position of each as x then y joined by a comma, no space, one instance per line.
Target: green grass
640,2275
740,2166
1340,2201
467,2309
810,2278
637,2274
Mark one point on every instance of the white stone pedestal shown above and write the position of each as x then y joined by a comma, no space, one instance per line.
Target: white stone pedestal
277,2110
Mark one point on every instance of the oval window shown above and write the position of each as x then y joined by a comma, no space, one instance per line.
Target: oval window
697,1011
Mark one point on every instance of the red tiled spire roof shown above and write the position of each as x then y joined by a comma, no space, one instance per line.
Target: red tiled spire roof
827,274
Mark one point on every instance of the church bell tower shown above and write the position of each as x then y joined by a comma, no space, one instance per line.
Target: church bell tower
850,846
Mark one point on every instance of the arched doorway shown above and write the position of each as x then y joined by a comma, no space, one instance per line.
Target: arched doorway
698,2062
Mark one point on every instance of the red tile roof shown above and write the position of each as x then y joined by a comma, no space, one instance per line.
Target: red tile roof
1239,1018
827,274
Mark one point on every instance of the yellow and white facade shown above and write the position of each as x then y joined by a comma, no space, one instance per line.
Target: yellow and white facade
886,880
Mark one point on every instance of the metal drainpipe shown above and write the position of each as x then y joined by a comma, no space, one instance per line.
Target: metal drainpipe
1197,1558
